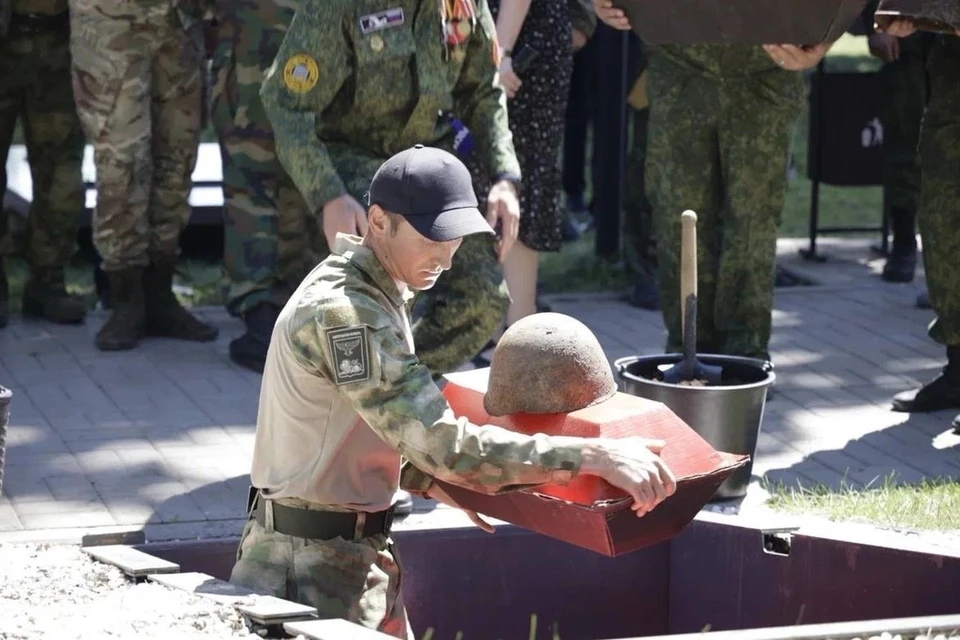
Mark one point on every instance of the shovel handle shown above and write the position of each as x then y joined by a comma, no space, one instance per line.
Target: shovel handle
688,259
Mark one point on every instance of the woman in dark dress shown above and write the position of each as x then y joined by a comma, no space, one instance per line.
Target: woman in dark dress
537,107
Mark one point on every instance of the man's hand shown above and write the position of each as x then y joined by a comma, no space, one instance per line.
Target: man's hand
610,16
440,495
884,46
796,58
634,465
509,80
343,215
503,205
579,39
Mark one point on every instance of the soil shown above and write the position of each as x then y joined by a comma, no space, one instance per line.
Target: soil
57,591
699,382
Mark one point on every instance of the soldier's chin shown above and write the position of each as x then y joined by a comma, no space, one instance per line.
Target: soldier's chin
425,282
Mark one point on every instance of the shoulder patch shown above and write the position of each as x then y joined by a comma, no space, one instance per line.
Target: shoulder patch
300,73
351,359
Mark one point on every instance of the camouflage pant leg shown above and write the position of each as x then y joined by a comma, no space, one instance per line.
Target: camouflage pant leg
54,140
940,190
267,226
755,134
178,81
355,581
637,238
905,82
113,63
11,90
682,172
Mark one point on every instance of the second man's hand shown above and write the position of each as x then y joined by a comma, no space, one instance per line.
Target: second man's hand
503,205
343,215
610,15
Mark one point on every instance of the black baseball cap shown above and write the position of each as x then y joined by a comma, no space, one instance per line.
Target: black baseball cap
433,190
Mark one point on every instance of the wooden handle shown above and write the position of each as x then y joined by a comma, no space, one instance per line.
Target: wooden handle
688,259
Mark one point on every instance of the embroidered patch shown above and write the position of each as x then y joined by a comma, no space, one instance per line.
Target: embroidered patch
348,347
383,20
300,73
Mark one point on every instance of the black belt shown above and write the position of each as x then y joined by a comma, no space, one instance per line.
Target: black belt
322,525
39,22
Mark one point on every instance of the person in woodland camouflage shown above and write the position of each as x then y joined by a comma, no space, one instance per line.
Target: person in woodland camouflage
727,106
138,85
938,213
348,412
904,74
35,89
268,231
352,86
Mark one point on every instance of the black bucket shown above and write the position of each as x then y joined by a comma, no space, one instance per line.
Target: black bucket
728,416
5,396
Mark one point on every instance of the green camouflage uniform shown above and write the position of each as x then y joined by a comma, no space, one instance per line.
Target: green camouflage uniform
940,193
377,94
721,121
267,227
636,224
138,82
343,398
35,89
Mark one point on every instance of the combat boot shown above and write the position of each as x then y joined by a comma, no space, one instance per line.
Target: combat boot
4,295
45,296
125,326
250,349
165,316
902,262
943,392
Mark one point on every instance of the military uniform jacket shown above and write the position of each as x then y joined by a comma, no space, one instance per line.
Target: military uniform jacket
343,397
357,81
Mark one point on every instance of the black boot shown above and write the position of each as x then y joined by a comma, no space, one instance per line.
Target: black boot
45,296
250,349
124,327
923,300
165,316
902,262
943,392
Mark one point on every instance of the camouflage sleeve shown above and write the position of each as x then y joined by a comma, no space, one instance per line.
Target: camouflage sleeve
582,16
396,396
308,71
482,103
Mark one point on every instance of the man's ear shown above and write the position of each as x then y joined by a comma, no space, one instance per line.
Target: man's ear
377,221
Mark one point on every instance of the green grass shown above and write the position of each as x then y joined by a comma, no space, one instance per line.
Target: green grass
575,268
932,505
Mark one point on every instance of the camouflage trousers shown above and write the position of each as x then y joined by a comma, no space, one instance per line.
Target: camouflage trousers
455,318
720,149
940,190
905,82
636,225
271,239
358,581
138,89
36,89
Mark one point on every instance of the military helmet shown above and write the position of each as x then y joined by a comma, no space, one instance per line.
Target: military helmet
547,363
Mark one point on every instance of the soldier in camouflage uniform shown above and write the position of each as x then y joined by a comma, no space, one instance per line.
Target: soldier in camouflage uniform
719,136
267,227
344,397
905,77
937,218
350,87
137,78
35,89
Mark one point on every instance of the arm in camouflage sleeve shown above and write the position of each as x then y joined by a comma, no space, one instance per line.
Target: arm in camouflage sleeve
399,401
583,17
310,68
482,103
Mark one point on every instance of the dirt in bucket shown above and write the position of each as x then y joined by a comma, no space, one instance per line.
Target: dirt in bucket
725,381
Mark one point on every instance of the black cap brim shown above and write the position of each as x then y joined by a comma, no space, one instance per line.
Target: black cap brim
451,224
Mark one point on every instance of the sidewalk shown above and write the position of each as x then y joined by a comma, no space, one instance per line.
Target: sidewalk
161,437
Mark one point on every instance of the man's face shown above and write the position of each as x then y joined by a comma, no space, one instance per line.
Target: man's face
414,259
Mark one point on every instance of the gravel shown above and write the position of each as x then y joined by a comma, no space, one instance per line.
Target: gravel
57,591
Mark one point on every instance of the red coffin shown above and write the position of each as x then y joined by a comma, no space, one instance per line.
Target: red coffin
589,512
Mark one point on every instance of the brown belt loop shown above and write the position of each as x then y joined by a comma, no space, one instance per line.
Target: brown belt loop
358,527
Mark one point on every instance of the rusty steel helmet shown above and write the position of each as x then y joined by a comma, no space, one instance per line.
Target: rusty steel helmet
547,363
